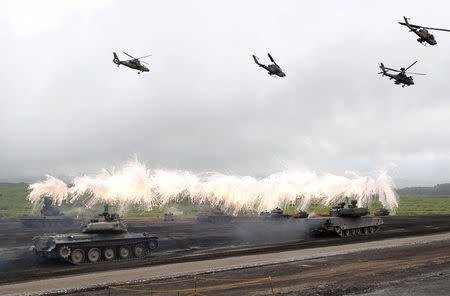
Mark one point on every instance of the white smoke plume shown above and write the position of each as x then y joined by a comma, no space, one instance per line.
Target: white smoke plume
134,183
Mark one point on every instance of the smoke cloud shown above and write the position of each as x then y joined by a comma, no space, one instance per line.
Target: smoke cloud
135,183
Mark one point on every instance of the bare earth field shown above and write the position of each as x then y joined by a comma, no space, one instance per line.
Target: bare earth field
343,270
358,268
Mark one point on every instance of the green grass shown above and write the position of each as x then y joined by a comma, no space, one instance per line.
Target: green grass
424,205
13,203
12,200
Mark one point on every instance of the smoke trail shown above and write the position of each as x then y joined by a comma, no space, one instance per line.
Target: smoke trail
137,184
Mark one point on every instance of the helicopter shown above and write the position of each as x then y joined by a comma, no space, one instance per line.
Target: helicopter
401,77
273,69
422,32
135,63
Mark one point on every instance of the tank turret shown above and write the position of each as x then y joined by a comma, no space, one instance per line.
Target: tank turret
351,210
111,224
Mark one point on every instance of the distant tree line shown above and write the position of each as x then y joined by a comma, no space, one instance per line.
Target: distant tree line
439,189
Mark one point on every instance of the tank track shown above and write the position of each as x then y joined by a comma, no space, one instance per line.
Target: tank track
355,231
97,252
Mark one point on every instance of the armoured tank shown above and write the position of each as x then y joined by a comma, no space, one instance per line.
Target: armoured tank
217,216
50,217
105,240
275,214
301,215
168,217
382,212
350,221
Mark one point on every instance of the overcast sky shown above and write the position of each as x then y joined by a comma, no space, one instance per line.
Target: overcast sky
66,109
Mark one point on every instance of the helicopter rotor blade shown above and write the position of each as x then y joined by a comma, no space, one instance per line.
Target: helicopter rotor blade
410,65
142,62
144,57
129,55
415,73
271,58
437,29
390,69
410,25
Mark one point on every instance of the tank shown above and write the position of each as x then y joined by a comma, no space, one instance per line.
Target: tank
217,216
301,215
106,240
168,217
276,214
382,212
51,217
350,221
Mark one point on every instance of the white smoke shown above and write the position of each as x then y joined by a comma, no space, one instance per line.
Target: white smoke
134,183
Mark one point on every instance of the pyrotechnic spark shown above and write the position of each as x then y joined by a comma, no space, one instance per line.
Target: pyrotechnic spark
137,184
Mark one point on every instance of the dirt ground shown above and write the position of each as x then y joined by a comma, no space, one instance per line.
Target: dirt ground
189,241
411,270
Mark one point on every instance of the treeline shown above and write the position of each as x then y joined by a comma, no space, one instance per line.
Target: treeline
439,189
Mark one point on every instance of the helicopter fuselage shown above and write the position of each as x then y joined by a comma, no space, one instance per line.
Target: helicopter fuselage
274,70
401,78
425,36
134,65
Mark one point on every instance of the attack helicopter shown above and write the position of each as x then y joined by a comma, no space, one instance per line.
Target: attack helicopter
273,69
401,77
135,63
422,32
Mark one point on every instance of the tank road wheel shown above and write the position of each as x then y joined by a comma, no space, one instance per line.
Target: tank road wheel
140,251
366,230
358,231
338,230
64,252
153,244
94,255
346,232
371,230
109,254
77,256
124,252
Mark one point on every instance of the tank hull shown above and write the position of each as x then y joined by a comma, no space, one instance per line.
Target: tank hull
351,226
81,248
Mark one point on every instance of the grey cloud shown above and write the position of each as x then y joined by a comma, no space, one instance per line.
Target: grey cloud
67,109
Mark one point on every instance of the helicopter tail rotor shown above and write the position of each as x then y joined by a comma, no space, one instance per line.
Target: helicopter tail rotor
383,69
116,59
255,58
